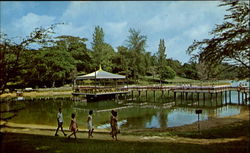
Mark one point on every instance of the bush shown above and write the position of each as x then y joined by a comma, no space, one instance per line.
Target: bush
167,73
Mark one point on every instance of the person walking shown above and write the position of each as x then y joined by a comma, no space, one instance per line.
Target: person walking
60,122
113,124
90,124
73,127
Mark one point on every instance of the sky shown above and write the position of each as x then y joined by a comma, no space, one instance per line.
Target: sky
179,23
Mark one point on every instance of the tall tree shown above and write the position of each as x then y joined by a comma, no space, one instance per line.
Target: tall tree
102,52
230,41
161,55
136,44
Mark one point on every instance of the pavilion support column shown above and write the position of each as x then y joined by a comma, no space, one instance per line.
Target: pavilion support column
238,97
246,97
221,96
242,97
230,98
225,96
146,95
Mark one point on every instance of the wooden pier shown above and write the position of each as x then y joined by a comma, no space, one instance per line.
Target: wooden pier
200,91
178,91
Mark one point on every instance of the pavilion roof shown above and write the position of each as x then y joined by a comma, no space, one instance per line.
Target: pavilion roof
100,74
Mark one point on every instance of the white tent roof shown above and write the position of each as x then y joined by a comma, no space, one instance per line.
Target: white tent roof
100,74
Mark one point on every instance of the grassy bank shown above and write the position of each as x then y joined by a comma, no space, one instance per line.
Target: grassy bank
237,129
25,143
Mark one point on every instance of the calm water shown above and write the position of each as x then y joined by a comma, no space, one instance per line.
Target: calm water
131,115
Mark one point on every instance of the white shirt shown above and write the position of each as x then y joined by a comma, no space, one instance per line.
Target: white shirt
90,126
60,117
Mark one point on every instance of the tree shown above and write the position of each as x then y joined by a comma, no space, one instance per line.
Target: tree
175,65
12,52
230,41
190,70
48,66
78,49
136,44
167,73
161,55
102,52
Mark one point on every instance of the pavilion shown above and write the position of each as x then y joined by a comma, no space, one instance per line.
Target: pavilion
100,85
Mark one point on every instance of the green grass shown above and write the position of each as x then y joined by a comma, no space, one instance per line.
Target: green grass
24,143
229,131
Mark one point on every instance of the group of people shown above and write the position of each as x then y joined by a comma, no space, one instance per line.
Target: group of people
73,127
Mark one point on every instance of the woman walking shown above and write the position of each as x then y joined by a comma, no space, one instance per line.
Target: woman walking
73,125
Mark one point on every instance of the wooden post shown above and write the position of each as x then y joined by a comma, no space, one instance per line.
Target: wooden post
146,95
246,97
204,98
226,96
216,96
230,99
242,97
132,95
174,96
238,97
162,93
181,97
221,95
186,95
211,98
154,95
192,98
198,97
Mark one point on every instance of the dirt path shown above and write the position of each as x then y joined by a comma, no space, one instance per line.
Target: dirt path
104,134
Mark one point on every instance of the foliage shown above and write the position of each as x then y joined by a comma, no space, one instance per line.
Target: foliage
230,41
175,65
167,73
190,71
78,49
161,57
136,46
12,52
102,52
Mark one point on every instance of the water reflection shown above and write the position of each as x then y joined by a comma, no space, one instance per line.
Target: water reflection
136,116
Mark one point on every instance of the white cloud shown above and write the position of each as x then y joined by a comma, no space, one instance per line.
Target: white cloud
27,23
70,29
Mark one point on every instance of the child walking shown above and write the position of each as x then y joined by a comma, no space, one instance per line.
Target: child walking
113,124
60,122
73,125
90,124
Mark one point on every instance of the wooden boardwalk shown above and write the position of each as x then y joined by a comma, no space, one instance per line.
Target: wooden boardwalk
183,91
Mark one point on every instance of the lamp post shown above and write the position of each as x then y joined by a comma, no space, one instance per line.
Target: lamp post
198,111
